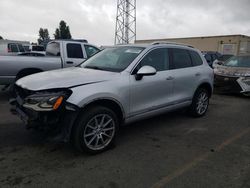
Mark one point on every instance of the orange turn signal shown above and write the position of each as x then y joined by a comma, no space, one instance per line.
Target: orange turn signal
58,103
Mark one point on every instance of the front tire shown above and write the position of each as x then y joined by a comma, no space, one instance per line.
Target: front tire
200,103
95,130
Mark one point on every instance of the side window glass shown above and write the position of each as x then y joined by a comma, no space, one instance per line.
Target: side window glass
13,48
196,59
53,49
21,48
74,50
157,58
181,59
91,50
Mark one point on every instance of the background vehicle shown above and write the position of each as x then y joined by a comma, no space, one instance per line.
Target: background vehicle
234,75
224,57
59,54
10,48
118,85
37,48
211,56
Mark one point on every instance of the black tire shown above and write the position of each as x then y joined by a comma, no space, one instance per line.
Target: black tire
196,109
84,127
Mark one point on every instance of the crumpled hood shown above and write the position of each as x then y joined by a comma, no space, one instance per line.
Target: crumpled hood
232,71
64,78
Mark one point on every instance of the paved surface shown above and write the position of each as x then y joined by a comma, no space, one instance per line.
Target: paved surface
171,150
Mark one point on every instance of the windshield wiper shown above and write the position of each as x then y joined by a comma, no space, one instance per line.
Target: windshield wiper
94,67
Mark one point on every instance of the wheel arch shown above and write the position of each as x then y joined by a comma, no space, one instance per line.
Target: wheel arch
27,71
206,86
110,103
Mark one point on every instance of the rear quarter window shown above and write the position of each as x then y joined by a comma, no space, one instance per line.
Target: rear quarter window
196,59
53,49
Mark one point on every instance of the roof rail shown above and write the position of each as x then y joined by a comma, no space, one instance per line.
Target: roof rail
77,40
174,43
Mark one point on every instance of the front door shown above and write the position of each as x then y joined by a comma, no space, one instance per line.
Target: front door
151,92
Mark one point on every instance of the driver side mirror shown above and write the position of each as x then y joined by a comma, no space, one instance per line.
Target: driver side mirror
145,71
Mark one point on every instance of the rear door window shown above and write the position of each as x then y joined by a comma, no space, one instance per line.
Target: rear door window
74,50
181,58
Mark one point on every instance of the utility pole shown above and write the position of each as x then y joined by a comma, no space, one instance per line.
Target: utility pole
125,30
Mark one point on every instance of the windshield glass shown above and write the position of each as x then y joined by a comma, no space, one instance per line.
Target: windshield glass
238,61
113,59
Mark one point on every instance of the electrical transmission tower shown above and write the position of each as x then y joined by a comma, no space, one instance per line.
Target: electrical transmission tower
125,30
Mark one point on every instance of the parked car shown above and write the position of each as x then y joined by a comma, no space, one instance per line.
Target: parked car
224,57
211,56
59,54
10,48
233,76
37,48
119,85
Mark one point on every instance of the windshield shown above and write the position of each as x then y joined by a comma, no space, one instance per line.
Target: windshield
113,59
238,61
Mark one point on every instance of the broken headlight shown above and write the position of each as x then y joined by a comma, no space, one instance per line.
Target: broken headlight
45,101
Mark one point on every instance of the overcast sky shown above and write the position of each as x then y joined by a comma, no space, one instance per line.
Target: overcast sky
94,20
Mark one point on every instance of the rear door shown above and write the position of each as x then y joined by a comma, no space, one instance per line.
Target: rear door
185,75
74,54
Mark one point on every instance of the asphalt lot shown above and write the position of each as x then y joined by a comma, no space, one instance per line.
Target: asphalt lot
172,150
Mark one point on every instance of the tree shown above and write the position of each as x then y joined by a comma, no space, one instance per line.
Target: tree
43,36
63,32
57,34
1,37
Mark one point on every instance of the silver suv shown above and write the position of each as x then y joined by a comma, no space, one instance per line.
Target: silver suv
87,104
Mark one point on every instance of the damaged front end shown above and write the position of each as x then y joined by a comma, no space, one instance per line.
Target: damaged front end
244,83
232,79
45,110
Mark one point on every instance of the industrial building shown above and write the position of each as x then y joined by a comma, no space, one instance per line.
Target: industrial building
225,44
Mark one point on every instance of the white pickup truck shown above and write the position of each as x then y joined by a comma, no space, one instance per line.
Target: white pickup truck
59,54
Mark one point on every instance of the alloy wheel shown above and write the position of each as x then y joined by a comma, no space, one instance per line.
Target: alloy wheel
99,131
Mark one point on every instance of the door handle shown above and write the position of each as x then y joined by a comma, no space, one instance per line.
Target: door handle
69,62
170,78
197,74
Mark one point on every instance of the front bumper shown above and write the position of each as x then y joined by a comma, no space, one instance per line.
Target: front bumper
226,84
58,122
229,84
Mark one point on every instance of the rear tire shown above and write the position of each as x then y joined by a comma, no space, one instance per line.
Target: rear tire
200,103
95,130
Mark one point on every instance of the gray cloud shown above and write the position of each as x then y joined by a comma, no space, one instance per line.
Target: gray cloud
95,20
